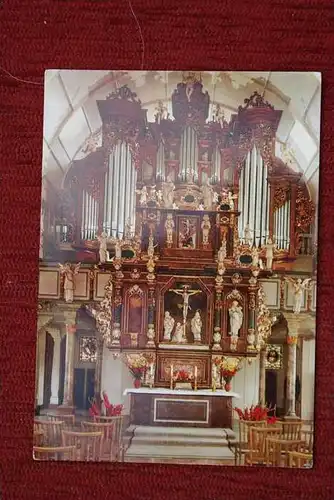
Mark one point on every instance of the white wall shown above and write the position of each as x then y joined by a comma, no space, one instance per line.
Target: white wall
115,379
246,384
308,380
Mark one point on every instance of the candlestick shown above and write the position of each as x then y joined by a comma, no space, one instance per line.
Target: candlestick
171,376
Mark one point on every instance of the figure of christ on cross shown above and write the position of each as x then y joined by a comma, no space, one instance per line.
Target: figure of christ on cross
185,293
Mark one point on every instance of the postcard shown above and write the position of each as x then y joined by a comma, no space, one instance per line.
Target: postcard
177,267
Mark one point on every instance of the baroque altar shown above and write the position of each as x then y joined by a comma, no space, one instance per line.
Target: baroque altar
187,241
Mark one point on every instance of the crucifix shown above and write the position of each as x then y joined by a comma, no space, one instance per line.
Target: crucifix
185,293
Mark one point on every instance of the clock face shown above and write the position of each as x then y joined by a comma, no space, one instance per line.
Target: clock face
87,349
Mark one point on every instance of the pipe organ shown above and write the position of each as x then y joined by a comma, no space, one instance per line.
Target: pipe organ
198,158
163,207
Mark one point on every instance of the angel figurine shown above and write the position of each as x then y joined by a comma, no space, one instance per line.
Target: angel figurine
248,238
299,286
69,271
103,252
143,195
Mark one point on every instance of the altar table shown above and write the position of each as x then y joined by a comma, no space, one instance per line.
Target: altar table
181,408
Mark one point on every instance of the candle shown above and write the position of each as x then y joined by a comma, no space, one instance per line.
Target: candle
195,378
171,376
196,372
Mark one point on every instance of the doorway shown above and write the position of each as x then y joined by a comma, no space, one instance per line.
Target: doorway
271,388
83,387
48,360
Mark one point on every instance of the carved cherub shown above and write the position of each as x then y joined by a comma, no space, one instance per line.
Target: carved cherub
299,287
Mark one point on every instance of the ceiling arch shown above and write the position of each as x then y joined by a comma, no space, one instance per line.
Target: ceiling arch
71,115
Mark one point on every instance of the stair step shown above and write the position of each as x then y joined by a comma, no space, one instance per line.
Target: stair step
190,452
197,432
178,440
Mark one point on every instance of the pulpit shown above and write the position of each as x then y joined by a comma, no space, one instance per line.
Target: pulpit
181,408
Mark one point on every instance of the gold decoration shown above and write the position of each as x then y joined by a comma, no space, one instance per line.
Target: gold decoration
281,195
305,210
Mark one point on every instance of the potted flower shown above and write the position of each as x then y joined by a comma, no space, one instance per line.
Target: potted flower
110,410
137,365
257,413
183,379
228,368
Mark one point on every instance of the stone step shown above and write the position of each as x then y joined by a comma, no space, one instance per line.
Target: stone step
197,432
178,440
179,452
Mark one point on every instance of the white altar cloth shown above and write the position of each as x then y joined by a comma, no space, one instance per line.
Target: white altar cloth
180,392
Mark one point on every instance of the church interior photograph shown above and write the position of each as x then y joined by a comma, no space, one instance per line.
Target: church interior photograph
176,316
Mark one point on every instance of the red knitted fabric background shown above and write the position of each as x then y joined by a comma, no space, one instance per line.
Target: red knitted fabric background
179,34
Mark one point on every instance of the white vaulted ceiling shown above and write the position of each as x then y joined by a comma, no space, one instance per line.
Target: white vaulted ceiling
71,115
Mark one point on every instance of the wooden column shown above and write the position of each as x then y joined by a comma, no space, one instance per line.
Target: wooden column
271,210
217,317
292,247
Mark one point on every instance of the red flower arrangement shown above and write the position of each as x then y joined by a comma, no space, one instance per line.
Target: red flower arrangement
111,410
183,376
256,414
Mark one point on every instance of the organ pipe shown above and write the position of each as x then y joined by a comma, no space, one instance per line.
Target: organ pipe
89,214
254,198
119,194
189,154
282,226
161,163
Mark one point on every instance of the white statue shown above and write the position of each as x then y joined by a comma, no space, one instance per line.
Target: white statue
168,192
196,326
169,322
236,318
153,194
143,195
255,257
222,252
231,199
185,293
270,247
175,207
248,235
160,196
169,226
128,232
200,206
69,271
206,226
118,249
207,192
151,246
103,252
299,287
179,334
